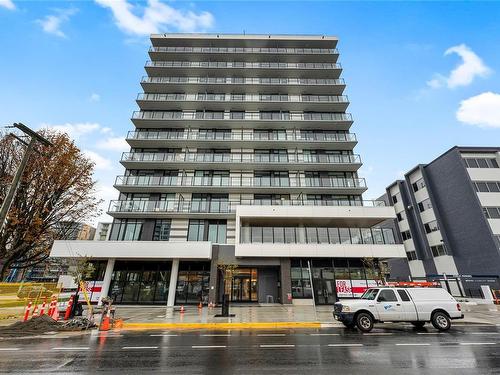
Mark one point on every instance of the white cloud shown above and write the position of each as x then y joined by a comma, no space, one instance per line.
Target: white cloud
482,110
114,144
100,161
106,192
94,97
8,4
472,66
51,24
74,130
156,17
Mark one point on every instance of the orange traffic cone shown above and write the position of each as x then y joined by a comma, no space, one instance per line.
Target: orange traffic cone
27,312
182,309
44,305
55,312
200,306
35,311
104,326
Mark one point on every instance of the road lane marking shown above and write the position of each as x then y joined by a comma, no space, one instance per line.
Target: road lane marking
324,334
71,348
139,347
481,333
345,345
410,344
271,334
429,333
208,346
277,346
378,334
217,335
163,335
477,343
9,349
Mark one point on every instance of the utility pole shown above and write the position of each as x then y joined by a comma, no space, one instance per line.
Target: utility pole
34,138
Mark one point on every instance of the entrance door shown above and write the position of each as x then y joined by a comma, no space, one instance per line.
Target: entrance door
241,289
324,291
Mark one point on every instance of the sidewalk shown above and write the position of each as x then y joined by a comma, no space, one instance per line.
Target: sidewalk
263,316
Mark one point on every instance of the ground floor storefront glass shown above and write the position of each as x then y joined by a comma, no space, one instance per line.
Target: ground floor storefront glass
192,283
140,282
243,285
331,279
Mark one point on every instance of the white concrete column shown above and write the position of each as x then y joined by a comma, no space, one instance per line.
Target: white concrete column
173,283
107,280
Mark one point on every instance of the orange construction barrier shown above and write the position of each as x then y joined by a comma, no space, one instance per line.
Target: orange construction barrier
68,309
118,323
27,311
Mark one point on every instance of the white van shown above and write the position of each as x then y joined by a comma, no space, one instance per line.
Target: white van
415,305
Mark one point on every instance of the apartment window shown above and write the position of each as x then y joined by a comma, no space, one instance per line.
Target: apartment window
487,186
401,216
424,205
438,250
207,230
270,199
431,226
162,230
271,178
492,212
419,184
396,198
481,163
411,255
126,230
406,235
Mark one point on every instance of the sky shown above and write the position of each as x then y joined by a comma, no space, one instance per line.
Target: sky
421,76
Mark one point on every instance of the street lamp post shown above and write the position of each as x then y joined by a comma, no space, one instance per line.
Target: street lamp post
34,138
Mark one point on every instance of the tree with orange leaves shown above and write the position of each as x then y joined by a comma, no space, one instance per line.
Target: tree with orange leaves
56,187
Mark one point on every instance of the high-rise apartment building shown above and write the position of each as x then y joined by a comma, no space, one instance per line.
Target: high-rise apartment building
241,154
448,216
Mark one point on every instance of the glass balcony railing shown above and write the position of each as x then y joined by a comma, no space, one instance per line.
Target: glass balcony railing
243,98
221,206
298,51
245,81
241,116
229,136
250,182
240,65
241,158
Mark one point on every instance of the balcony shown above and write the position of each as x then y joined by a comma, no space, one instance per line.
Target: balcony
218,184
190,138
316,120
242,102
245,69
249,85
217,208
242,160
244,53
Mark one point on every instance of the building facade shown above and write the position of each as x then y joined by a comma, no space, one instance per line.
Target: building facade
241,154
102,231
448,216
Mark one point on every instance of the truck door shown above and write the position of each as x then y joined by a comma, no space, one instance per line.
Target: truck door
388,306
410,312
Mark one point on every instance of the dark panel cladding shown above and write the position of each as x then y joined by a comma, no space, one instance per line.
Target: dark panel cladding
459,213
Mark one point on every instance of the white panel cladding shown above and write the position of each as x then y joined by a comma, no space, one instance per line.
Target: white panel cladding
484,174
403,225
409,245
179,230
489,199
415,176
132,249
428,215
421,194
231,231
445,264
435,238
319,250
417,269
494,225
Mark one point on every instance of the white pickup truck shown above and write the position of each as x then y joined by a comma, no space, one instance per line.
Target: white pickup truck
385,304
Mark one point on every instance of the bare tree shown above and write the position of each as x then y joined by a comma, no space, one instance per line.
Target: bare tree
227,270
377,269
56,187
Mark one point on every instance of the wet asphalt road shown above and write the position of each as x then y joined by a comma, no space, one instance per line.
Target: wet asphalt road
388,349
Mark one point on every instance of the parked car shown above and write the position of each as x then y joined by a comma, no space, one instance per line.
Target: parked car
415,305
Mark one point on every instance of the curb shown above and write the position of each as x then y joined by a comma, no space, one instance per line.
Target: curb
225,326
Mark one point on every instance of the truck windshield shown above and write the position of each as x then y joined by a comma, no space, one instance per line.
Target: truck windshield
370,294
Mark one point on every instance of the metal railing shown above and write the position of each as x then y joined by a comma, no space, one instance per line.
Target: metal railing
304,51
221,206
230,136
241,116
240,65
223,181
243,98
246,81
240,157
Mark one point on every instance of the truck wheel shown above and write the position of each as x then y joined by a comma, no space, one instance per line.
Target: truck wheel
349,325
441,321
364,322
419,324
